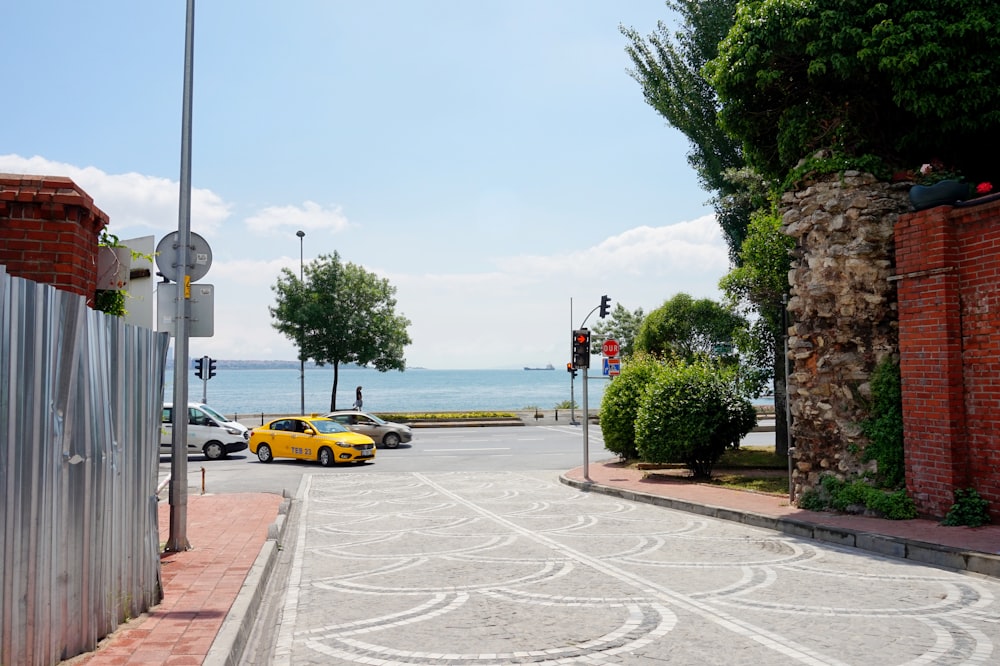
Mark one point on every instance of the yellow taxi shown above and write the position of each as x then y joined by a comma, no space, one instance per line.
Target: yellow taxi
310,438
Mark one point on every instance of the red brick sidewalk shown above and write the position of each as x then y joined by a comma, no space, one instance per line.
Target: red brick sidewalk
226,533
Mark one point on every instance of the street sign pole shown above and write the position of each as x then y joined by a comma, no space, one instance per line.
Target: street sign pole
177,540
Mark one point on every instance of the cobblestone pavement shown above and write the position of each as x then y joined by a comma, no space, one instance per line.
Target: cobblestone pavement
513,568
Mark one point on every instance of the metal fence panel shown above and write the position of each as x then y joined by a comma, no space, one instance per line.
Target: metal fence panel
80,400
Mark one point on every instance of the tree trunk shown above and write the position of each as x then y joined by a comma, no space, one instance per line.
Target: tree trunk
333,392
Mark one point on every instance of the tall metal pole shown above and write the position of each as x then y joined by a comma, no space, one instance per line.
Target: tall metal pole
177,540
302,361
586,427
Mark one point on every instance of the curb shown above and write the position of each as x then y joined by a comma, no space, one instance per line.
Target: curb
922,552
227,648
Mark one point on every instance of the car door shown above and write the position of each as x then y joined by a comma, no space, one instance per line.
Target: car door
367,426
166,431
280,438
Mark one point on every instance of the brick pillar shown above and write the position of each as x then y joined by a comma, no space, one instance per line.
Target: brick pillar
49,229
931,364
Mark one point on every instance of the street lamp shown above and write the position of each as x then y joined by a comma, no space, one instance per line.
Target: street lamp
302,361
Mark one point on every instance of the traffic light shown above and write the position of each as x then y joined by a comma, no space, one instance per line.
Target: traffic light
581,348
570,369
211,367
198,368
605,306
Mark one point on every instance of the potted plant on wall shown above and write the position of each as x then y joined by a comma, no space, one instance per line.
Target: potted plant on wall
937,186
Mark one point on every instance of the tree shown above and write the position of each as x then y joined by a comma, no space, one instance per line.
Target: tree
688,328
669,69
622,326
902,82
691,413
756,288
340,314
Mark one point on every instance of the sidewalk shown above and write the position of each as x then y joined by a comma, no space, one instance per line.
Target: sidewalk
211,592
976,550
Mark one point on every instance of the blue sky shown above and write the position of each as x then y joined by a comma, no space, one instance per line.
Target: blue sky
492,158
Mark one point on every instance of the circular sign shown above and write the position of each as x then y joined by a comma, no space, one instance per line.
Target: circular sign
610,348
199,257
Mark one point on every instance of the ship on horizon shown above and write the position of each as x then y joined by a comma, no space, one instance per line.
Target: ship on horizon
547,367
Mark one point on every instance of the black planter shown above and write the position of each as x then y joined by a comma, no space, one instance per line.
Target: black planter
943,193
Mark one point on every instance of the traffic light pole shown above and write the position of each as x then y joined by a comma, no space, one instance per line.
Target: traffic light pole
581,360
586,429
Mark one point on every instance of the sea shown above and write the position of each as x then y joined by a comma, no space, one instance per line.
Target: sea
245,391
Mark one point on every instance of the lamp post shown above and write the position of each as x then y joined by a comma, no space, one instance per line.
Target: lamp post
302,361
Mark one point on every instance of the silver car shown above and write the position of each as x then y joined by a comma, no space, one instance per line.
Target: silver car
387,433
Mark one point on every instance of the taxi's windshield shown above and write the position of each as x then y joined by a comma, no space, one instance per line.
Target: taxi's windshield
326,427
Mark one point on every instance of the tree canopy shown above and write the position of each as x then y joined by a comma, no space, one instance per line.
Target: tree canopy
622,326
340,313
688,328
669,68
903,81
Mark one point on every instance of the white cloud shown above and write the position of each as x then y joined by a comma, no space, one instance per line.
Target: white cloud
308,216
515,311
141,204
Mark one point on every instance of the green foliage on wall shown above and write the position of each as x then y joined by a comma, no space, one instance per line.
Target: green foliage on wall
884,426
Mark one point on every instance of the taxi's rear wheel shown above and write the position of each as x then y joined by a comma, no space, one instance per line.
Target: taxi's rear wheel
264,453
391,440
214,451
325,456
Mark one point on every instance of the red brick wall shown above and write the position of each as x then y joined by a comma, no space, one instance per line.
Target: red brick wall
948,278
49,230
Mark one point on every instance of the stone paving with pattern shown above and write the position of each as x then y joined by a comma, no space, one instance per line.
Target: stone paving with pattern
509,568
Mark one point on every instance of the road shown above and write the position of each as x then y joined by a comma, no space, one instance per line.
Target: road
465,549
441,449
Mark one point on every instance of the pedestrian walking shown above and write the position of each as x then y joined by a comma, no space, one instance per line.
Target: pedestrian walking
357,399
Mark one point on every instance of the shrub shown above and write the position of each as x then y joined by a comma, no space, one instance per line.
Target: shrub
620,404
691,413
969,509
839,495
884,427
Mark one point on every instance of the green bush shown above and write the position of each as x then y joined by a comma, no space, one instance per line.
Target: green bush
969,509
620,404
839,495
691,413
884,427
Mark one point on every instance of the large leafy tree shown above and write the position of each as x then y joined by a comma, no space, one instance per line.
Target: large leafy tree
756,289
902,81
668,66
689,329
621,325
340,313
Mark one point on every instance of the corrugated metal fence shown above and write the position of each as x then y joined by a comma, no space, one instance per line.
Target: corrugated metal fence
80,399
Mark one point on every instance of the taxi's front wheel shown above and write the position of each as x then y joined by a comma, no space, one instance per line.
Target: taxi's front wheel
264,453
325,457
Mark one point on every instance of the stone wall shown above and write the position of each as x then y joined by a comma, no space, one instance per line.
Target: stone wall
843,314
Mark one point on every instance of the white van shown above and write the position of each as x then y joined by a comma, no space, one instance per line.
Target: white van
209,432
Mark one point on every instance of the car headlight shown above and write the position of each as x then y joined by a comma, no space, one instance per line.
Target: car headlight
233,431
